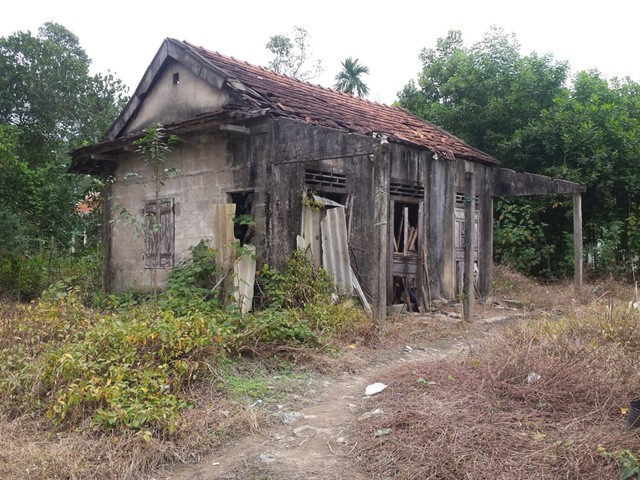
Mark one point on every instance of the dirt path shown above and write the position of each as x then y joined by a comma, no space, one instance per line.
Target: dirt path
310,439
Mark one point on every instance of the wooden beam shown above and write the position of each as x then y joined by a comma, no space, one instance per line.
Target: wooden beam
227,127
405,233
380,231
102,157
577,241
469,242
510,183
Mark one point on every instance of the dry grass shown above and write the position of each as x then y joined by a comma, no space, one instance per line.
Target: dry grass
489,415
480,420
555,296
30,448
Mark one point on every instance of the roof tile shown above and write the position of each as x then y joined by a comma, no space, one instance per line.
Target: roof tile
285,96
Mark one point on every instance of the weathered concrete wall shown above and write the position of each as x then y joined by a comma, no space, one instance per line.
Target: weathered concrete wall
209,169
298,146
483,188
168,102
271,162
440,228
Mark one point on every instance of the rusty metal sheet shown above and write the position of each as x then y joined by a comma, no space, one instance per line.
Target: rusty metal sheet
335,249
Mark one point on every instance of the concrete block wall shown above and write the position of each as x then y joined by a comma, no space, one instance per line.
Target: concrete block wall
207,171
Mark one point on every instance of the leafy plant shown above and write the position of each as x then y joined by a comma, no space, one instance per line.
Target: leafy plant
629,465
519,237
192,285
300,283
309,200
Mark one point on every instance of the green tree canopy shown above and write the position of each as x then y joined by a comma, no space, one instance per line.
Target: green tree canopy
49,104
528,113
349,78
483,93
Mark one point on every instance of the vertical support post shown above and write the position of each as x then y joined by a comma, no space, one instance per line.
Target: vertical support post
380,230
469,242
577,241
107,230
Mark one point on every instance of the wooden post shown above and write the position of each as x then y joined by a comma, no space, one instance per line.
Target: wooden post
380,231
469,242
577,241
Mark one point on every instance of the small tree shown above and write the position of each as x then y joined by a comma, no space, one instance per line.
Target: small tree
154,148
291,55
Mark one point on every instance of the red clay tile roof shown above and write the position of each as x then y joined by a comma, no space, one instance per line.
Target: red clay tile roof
285,96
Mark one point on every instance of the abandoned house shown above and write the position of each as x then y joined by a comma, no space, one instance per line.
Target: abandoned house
375,194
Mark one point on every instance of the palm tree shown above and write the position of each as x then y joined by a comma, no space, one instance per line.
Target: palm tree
349,81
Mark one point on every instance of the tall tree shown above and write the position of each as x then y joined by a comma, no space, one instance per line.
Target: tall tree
349,78
591,136
524,110
50,103
485,92
292,55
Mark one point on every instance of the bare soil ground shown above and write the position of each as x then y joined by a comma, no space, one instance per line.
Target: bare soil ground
312,436
319,434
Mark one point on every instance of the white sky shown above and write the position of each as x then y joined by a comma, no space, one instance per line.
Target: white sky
386,36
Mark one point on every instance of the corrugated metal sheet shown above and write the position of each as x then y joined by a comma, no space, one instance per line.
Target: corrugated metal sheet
311,232
335,249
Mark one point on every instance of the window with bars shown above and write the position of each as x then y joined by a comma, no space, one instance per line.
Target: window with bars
406,191
460,200
159,233
325,180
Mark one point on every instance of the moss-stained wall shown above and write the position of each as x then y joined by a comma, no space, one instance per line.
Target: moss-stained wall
297,147
171,99
208,169
271,161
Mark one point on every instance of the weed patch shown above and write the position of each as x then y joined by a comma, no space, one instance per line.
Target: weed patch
543,401
149,379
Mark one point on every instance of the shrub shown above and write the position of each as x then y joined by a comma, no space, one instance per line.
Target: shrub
122,369
27,276
301,283
191,286
128,366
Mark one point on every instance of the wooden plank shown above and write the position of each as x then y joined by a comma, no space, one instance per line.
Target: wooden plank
405,217
413,235
360,292
400,230
349,207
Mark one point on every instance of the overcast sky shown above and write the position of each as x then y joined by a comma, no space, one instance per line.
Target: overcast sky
386,36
